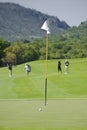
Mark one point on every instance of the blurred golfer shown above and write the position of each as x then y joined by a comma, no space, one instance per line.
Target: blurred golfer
27,68
66,66
10,69
59,66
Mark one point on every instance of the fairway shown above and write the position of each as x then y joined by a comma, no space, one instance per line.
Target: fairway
62,113
22,97
20,86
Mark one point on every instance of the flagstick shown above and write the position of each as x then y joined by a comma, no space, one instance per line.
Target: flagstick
45,27
46,73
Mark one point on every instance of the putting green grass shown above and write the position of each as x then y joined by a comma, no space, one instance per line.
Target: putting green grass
25,114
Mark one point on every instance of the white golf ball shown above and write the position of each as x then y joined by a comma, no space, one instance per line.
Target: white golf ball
40,109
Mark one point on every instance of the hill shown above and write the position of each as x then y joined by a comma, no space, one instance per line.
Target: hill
17,22
71,43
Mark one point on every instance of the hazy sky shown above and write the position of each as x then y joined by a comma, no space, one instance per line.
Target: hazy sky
71,11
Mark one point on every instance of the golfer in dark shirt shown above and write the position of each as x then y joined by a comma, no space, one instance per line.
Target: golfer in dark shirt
59,66
10,69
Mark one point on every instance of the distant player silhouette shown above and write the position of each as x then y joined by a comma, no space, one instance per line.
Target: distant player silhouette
59,66
10,69
66,66
27,68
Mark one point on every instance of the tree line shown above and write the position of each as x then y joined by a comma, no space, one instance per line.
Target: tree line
17,53
70,44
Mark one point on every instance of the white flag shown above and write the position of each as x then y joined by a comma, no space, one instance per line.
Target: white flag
46,27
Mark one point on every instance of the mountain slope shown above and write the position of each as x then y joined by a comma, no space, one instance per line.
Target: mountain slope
17,22
71,43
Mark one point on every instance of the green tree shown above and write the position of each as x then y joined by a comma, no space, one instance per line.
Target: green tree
3,45
10,58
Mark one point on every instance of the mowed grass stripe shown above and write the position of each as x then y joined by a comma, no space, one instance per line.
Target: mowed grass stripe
59,85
